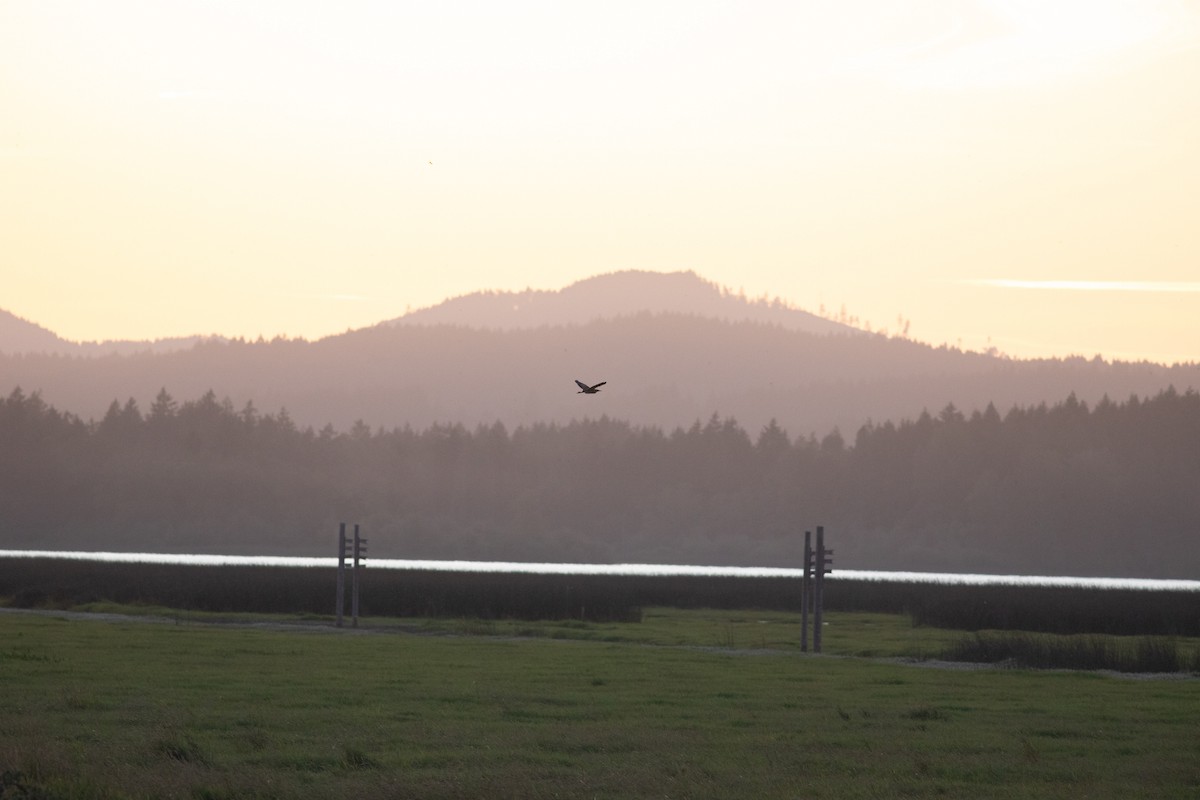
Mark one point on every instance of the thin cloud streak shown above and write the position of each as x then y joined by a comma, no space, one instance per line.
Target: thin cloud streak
1158,287
1024,42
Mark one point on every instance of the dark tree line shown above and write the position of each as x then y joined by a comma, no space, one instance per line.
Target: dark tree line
1062,489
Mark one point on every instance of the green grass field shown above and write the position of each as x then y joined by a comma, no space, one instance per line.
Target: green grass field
684,704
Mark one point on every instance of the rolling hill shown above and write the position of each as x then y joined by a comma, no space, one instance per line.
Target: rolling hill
613,295
19,336
666,370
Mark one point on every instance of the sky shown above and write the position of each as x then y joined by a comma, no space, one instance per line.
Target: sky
1016,174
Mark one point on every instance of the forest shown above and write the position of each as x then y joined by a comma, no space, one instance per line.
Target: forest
1066,489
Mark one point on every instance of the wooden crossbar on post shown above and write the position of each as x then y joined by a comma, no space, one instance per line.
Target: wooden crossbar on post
360,549
355,549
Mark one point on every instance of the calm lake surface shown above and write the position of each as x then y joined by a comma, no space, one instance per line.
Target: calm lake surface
612,569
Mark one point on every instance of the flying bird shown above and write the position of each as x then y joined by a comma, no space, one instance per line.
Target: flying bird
585,389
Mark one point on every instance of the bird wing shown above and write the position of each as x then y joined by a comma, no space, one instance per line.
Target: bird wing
581,384
598,385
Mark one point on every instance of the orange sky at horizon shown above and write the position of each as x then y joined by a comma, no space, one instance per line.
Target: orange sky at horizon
1000,173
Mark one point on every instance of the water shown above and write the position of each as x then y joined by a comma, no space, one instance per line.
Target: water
615,569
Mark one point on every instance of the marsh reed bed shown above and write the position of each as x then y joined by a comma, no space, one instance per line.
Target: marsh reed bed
1142,654
62,583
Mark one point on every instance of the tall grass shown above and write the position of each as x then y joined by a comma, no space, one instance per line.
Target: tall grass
598,598
1055,609
308,590
1091,651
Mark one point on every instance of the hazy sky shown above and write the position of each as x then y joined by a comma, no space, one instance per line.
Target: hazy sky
1016,173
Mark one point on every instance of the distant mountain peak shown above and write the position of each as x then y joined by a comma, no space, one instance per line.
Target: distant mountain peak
615,294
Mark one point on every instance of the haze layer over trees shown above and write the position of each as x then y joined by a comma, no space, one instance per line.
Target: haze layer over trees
662,370
672,347
1112,489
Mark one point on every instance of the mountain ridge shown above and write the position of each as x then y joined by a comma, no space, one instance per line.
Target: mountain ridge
615,294
762,361
21,336
667,370
604,296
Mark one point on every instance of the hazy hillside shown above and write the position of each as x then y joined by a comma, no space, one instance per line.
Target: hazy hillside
18,336
673,348
614,295
665,370
601,297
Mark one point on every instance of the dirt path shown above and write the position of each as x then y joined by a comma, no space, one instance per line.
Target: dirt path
213,622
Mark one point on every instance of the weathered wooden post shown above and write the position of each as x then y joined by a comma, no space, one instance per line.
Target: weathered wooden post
824,566
341,573
805,590
360,549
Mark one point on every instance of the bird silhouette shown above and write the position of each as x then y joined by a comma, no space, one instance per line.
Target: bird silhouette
585,389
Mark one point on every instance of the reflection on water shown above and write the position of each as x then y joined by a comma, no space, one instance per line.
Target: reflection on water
612,569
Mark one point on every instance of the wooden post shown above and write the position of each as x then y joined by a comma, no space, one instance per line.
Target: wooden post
341,572
359,549
818,588
805,588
